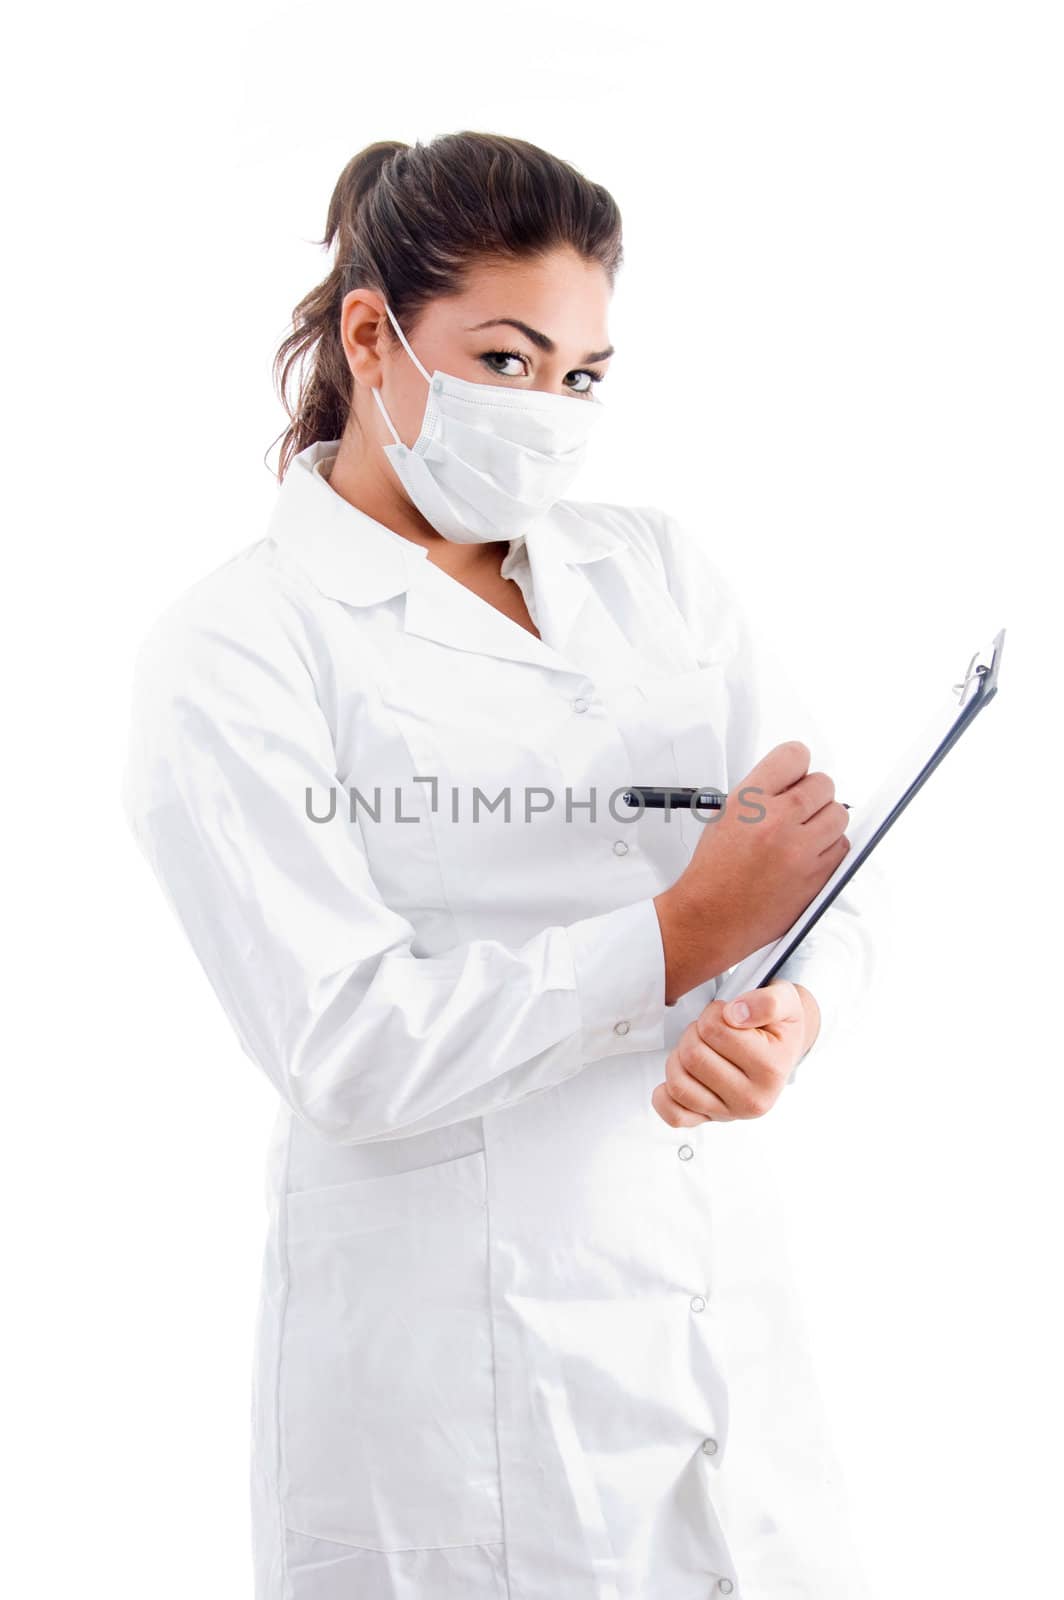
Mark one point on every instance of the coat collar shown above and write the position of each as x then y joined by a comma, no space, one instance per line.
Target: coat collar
352,557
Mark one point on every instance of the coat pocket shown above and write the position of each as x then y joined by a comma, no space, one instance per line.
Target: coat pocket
690,709
685,717
388,1405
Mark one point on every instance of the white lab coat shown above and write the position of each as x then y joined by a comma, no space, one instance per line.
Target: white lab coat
518,1337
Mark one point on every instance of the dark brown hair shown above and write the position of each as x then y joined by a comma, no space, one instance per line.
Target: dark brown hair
408,221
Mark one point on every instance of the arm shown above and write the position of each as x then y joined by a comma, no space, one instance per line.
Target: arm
363,1039
834,963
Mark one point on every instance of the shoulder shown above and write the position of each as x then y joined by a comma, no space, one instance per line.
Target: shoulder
223,678
251,608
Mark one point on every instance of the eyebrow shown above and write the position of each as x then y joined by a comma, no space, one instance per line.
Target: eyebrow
539,339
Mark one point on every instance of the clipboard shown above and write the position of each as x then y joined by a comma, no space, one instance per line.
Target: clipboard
976,689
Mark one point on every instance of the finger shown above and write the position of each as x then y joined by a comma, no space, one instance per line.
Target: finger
670,1110
811,794
703,1080
784,765
835,852
690,1100
729,1060
768,1006
752,1045
828,824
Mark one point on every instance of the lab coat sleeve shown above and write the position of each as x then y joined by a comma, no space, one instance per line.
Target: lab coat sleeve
361,1037
836,960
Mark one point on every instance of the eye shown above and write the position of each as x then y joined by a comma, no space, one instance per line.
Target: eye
496,361
592,378
492,356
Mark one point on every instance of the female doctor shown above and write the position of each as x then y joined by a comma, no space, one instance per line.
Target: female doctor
517,1287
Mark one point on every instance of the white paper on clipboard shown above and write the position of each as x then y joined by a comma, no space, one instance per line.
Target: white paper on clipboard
871,820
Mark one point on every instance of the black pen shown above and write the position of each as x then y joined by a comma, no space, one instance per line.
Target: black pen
708,799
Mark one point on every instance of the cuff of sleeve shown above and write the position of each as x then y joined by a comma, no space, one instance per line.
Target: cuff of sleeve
619,964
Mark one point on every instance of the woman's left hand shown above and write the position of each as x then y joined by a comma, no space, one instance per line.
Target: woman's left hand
722,1070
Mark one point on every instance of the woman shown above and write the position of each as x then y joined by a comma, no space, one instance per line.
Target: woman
509,1293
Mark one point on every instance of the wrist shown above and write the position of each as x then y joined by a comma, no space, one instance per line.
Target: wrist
689,956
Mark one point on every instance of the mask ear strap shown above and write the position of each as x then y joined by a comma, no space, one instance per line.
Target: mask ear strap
417,363
406,347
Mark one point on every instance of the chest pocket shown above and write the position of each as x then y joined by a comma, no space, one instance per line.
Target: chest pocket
497,738
690,710
675,726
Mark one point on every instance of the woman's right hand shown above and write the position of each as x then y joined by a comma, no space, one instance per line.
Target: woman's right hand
762,858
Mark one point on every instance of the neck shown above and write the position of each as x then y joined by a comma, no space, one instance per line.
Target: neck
366,485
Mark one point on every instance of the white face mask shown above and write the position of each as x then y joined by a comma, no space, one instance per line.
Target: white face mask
488,460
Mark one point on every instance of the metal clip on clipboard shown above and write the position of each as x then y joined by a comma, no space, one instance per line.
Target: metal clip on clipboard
978,669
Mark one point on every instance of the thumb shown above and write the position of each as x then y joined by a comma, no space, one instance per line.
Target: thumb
753,1009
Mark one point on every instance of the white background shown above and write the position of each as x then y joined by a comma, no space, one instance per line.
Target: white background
840,348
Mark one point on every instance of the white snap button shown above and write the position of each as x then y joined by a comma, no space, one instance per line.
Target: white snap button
621,1027
685,1152
697,1303
580,705
437,384
725,1586
619,847
709,1447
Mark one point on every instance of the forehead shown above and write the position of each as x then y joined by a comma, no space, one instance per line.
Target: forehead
560,294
